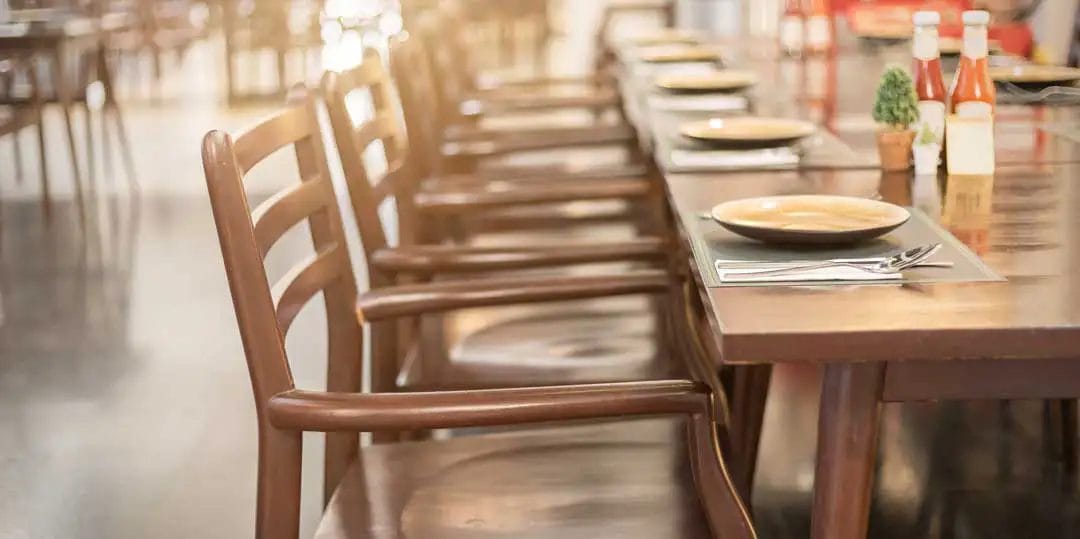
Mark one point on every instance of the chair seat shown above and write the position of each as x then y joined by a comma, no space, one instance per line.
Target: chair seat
630,480
602,340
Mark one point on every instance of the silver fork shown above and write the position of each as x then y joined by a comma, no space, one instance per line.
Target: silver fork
896,263
1028,96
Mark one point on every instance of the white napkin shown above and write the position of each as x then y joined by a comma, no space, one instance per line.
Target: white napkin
734,159
698,103
839,273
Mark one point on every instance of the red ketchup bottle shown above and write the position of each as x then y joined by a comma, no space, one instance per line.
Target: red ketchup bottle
792,28
929,84
819,29
973,93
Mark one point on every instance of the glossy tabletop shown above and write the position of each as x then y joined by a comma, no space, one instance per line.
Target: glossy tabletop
1022,222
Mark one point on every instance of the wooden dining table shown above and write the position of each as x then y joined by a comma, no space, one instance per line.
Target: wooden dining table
56,38
1013,338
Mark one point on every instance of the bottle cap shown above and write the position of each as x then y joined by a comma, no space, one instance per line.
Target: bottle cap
976,17
926,18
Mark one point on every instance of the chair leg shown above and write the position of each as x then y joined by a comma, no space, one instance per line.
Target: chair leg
91,164
112,108
727,515
384,367
46,200
16,147
278,498
64,95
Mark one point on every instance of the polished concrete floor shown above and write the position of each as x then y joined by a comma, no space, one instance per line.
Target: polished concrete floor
125,408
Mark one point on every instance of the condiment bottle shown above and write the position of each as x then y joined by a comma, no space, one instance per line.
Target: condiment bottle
973,93
929,84
819,30
792,28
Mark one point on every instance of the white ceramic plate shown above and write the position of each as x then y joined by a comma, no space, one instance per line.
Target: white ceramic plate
1035,74
679,53
727,80
667,36
809,219
748,131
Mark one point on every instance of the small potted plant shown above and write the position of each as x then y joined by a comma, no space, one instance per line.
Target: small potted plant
927,151
895,109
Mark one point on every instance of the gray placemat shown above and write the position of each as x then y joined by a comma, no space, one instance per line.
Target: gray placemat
712,242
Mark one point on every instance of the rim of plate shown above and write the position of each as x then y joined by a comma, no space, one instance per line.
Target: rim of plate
899,216
679,53
735,78
797,128
1034,73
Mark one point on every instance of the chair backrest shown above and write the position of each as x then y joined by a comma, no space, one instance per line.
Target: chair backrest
411,71
355,132
246,237
454,73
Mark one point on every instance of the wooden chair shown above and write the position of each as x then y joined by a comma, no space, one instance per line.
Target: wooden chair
558,482
22,114
530,186
267,28
164,27
638,356
605,59
470,147
465,97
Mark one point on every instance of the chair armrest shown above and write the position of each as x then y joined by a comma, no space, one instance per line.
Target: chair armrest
360,412
500,195
467,132
489,103
495,84
479,146
531,176
451,258
412,300
560,171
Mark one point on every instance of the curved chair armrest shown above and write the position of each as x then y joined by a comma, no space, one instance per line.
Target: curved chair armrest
558,133
494,103
481,147
521,193
360,412
411,300
496,84
452,258
565,171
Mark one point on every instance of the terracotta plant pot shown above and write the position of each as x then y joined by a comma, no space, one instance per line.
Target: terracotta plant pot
894,147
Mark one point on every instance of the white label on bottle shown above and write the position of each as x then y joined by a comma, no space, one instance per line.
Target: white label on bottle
925,44
791,33
974,109
932,114
975,42
818,33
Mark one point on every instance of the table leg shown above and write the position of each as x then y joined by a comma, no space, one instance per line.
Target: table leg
63,94
750,391
112,108
847,448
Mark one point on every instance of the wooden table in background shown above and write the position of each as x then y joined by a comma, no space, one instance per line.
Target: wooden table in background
1018,339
